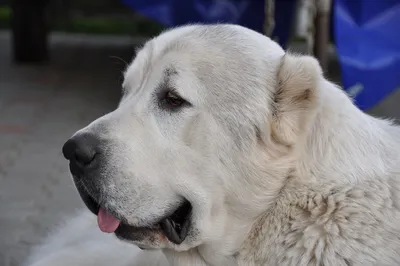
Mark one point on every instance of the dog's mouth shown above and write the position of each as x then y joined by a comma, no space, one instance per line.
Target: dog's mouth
175,226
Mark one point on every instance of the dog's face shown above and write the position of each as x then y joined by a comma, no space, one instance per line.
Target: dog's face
193,140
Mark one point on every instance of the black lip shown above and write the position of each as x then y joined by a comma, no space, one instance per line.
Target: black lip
132,233
176,226
90,202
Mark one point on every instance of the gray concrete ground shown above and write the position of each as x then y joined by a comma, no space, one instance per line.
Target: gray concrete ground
40,107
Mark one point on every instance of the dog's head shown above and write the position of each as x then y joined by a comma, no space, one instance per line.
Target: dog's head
204,133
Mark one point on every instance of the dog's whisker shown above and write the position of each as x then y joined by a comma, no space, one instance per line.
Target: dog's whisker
120,59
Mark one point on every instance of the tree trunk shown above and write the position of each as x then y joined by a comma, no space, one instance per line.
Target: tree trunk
322,32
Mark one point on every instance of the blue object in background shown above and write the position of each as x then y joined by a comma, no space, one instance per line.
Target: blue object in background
367,37
367,34
248,13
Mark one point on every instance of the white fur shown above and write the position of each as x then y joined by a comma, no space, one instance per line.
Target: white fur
280,166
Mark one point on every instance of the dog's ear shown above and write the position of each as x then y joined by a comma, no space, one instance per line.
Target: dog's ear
296,98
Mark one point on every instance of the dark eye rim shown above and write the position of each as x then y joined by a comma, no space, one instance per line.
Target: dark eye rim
173,101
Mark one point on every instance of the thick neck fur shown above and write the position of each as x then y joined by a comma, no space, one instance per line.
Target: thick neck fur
350,131
327,151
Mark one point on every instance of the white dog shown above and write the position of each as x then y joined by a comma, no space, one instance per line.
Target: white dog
225,150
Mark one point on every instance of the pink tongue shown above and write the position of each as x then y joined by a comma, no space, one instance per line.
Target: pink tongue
107,223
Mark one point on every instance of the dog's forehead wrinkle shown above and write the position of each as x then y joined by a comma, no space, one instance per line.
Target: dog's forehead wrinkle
166,84
170,71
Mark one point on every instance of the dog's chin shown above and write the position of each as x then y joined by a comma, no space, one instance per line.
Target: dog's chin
172,228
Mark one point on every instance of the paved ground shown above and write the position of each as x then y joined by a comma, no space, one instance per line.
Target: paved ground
40,107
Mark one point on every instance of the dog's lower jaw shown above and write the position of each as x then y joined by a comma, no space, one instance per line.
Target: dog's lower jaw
194,258
190,257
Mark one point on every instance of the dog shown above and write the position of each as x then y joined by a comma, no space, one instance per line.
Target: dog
226,150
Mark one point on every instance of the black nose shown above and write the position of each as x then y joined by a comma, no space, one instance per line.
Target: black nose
81,150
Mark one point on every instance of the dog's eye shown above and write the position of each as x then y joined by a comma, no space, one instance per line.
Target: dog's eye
173,100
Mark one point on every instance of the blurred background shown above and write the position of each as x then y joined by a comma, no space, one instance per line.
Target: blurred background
61,66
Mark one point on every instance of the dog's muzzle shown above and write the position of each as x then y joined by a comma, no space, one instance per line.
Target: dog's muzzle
84,154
